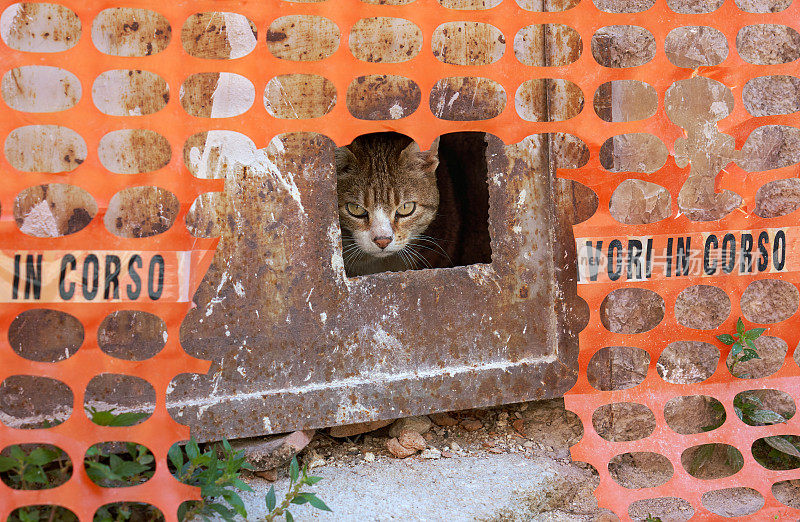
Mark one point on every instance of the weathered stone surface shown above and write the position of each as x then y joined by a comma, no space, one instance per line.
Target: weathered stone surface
692,414
623,421
472,424
687,362
703,307
412,440
265,453
349,430
769,301
631,310
618,368
777,198
398,450
443,419
419,424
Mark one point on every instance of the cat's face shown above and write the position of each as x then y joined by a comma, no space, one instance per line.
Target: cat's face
387,193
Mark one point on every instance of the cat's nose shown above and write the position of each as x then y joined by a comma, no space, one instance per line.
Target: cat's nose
382,241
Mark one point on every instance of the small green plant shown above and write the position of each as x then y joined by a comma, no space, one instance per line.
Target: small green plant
109,418
124,511
34,466
742,345
297,479
218,479
110,468
651,518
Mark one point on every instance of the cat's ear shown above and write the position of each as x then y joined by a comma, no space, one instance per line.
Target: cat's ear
424,162
344,160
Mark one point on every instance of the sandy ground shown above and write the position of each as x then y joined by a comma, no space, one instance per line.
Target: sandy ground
482,487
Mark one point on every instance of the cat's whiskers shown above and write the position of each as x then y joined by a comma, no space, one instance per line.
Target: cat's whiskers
431,241
409,249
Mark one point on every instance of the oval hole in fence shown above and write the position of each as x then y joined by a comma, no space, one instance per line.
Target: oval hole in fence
461,98
667,508
470,5
763,6
622,46
43,512
637,202
217,95
618,368
769,301
219,35
702,307
640,469
690,414
116,454
39,88
213,154
770,147
134,151
138,212
712,461
132,335
777,198
32,402
299,96
45,148
623,6
623,421
567,96
631,310
118,400
632,100
468,43
530,40
129,92
303,38
54,475
733,502
382,97
45,335
40,27
772,95
772,352
696,46
764,407
128,31
787,492
53,210
385,40
778,452
768,44
687,362
634,152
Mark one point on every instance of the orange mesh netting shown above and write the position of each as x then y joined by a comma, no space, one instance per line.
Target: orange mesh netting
174,65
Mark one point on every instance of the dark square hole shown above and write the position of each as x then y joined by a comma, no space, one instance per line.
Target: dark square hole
388,210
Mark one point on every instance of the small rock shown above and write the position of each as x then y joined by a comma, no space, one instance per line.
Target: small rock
350,430
353,449
369,456
447,454
270,452
412,439
527,444
270,475
503,416
431,453
398,450
419,424
443,419
494,450
454,446
471,424
428,436
314,460
519,425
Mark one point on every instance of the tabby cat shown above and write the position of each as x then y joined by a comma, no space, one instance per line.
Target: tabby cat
388,198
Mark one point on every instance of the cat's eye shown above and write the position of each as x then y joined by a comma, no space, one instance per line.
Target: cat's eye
356,210
406,209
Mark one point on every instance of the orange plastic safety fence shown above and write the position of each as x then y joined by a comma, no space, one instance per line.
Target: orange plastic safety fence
174,65
183,262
